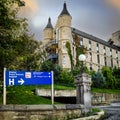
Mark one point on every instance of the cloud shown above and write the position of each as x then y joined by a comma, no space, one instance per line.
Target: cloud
30,9
114,3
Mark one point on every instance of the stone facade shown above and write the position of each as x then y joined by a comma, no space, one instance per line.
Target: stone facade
116,38
99,52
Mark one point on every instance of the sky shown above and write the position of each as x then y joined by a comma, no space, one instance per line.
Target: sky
99,18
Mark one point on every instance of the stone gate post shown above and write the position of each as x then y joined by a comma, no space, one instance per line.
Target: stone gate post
83,86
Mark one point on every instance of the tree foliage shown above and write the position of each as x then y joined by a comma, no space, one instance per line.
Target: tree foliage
110,79
116,74
80,49
49,66
68,46
66,78
18,49
98,80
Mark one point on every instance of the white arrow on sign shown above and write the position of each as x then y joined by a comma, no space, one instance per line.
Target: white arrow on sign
21,81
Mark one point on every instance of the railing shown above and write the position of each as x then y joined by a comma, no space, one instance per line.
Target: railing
52,42
52,56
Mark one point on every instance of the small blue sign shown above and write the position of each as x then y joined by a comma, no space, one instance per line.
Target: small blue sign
28,78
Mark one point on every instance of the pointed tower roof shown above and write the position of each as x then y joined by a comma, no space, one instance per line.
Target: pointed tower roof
49,25
64,11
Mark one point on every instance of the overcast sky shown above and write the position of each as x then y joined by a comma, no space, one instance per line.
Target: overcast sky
96,17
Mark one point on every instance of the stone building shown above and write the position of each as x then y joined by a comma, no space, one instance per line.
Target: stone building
99,52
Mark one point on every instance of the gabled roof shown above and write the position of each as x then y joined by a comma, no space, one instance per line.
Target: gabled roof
49,25
91,37
64,11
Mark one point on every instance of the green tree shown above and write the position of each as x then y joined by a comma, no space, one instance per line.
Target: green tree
110,79
28,57
49,66
18,49
66,78
116,73
10,30
98,80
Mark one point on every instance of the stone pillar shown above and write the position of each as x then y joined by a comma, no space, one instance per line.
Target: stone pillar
83,85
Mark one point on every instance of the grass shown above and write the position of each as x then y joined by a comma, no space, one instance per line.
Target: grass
109,91
57,87
26,94
95,110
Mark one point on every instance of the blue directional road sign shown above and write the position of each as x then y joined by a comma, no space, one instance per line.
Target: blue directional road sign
28,78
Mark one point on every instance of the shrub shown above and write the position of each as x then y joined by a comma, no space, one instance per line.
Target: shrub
110,79
98,80
67,78
49,66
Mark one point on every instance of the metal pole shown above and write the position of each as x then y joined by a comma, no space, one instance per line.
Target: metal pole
52,89
82,67
4,87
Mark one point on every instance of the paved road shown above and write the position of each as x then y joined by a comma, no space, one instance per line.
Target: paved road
112,111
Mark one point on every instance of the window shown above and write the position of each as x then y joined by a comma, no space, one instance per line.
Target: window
110,52
64,45
116,54
98,67
98,59
89,46
64,60
117,62
90,57
97,48
117,57
90,66
111,62
81,41
105,61
104,50
57,35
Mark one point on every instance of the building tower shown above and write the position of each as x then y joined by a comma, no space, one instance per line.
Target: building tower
99,52
48,32
63,35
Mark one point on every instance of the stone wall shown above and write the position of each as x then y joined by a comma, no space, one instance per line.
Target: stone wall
40,112
101,98
97,98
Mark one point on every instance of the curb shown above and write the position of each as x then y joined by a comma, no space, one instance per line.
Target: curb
93,117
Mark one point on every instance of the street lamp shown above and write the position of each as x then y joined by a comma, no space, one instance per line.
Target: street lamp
82,58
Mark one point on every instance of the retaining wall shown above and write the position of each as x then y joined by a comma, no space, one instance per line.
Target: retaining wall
97,98
40,112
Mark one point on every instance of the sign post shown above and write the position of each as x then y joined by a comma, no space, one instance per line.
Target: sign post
12,78
52,90
4,87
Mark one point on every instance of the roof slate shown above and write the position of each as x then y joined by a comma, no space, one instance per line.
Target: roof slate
64,11
91,37
49,25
